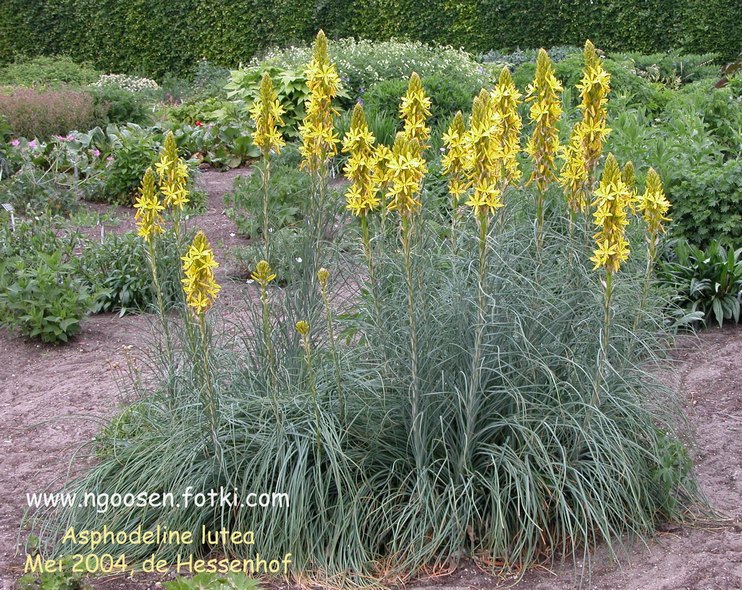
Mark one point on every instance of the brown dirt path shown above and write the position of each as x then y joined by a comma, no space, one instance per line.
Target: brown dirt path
54,399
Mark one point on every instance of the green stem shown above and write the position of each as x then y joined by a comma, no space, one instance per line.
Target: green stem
160,303
417,437
266,181
211,402
335,358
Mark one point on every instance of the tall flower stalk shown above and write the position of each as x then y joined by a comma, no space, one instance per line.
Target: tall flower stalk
484,142
319,140
302,327
546,109
454,163
323,276
264,276
266,114
582,153
362,195
653,205
612,198
172,179
201,289
415,111
150,224
407,169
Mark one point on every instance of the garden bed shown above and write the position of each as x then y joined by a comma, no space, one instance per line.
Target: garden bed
55,399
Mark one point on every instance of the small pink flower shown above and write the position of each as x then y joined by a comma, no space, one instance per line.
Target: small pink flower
96,153
32,144
15,143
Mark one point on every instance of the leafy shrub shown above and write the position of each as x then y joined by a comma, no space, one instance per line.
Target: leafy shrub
135,149
447,96
671,69
119,270
119,106
361,64
290,85
41,295
44,113
34,191
209,80
46,71
288,189
707,281
515,59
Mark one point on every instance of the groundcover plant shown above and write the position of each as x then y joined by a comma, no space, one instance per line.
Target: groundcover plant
455,378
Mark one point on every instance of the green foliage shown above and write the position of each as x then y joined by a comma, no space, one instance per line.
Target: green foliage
361,64
64,579
290,85
118,269
149,37
119,106
447,96
206,581
288,190
47,71
41,295
34,191
707,281
136,150
284,256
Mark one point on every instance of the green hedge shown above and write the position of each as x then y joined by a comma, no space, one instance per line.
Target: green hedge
153,37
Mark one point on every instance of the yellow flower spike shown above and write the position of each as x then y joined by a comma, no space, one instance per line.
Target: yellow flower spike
574,177
199,284
362,197
302,327
414,111
407,169
319,140
594,88
545,111
266,113
263,274
653,204
172,173
628,175
148,208
484,149
454,161
505,99
611,200
323,275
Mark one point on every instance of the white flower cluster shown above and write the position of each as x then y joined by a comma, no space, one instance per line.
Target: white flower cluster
362,63
130,83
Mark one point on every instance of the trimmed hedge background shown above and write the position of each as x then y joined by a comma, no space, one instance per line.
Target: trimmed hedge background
153,37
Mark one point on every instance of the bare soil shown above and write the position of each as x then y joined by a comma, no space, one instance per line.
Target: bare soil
54,399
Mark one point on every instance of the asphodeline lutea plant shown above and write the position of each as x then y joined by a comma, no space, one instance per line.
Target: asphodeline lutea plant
454,163
611,201
594,88
266,114
414,111
201,289
484,149
319,140
544,94
199,285
505,100
612,198
264,276
407,169
172,175
362,195
149,209
653,205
